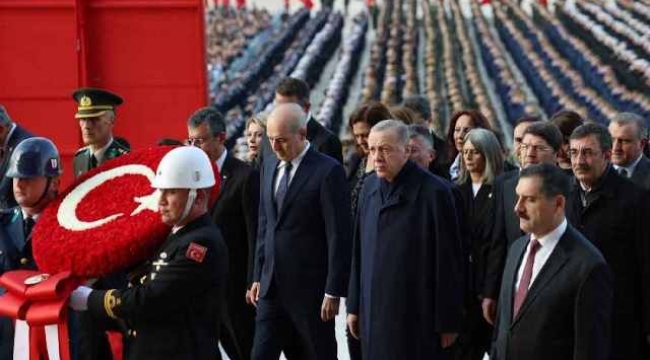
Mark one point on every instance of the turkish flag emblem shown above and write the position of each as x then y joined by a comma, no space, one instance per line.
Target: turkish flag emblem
196,252
106,221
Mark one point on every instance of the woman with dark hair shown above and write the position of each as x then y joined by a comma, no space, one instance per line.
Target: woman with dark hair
459,125
566,121
361,121
482,161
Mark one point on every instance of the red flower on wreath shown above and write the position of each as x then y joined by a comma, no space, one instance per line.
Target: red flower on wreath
106,221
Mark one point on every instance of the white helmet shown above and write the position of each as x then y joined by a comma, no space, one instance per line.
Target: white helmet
186,167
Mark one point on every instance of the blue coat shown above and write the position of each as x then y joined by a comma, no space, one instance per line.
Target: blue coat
407,278
305,247
15,254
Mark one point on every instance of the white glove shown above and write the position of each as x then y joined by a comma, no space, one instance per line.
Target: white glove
79,298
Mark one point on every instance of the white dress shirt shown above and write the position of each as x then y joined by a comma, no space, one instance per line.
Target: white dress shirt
630,168
99,154
222,159
294,167
547,245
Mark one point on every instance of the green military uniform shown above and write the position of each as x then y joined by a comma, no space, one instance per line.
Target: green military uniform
94,103
83,159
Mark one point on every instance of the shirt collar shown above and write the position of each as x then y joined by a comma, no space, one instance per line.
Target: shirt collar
222,159
11,131
554,236
25,216
630,168
298,159
99,154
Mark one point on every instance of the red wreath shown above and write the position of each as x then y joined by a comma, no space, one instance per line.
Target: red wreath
118,244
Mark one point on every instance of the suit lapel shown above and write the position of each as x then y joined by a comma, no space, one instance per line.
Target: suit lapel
226,173
554,263
519,250
304,171
271,168
16,232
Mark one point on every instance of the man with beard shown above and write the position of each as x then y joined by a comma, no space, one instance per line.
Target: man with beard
405,297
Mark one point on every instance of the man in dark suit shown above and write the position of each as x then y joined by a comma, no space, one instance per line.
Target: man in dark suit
611,212
304,244
629,137
174,311
235,213
34,170
291,90
96,114
557,291
11,134
540,143
406,287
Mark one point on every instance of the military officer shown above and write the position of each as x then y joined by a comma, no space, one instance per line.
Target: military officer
34,168
173,310
96,114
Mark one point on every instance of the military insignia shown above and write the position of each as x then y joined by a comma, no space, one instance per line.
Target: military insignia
159,263
196,252
54,163
85,101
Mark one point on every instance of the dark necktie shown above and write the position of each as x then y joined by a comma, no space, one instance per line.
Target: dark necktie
28,224
283,187
623,172
524,283
93,162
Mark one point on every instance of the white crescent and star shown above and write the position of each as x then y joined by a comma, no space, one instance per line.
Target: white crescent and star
67,213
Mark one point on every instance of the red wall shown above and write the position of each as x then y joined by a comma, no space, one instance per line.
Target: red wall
151,52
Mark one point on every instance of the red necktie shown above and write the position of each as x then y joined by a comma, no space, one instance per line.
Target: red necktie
524,283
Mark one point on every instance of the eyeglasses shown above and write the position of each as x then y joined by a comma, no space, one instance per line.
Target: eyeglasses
535,148
195,141
587,153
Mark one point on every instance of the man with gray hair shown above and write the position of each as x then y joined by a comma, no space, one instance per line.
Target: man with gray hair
96,115
11,134
629,137
421,149
235,213
303,246
610,211
406,286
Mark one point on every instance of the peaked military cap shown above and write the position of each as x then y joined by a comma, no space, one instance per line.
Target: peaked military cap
94,102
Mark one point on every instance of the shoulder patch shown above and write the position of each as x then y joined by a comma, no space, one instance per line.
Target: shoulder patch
81,151
196,252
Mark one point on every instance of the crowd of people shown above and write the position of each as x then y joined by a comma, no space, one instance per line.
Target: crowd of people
445,242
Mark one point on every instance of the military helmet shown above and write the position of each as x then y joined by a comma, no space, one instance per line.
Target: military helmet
34,157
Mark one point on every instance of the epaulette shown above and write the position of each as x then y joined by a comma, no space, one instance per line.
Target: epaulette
81,151
10,215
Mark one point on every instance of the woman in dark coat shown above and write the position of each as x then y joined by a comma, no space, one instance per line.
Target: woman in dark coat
481,162
361,121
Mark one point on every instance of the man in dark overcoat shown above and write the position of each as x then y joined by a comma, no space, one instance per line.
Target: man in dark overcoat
406,288
610,211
